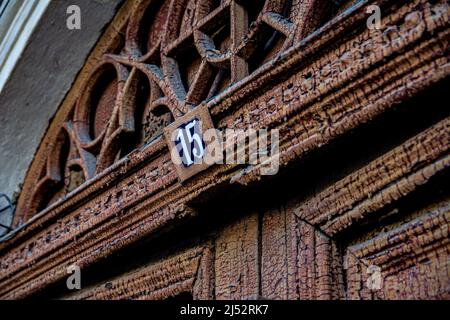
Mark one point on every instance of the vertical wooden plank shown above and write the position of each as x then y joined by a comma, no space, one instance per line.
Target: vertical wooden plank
274,262
320,272
292,253
237,260
204,283
324,285
337,272
239,29
309,17
306,262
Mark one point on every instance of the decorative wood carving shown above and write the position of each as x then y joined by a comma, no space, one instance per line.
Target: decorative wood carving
176,54
314,88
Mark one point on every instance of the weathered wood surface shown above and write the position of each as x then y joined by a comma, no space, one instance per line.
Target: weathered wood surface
186,272
326,85
237,260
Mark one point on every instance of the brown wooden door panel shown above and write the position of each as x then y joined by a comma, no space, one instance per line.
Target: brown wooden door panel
237,260
276,255
278,247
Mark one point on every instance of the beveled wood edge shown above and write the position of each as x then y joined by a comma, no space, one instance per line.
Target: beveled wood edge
188,271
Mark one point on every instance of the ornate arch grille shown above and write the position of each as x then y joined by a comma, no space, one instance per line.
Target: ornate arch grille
168,57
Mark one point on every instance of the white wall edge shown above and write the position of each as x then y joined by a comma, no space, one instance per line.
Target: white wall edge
26,18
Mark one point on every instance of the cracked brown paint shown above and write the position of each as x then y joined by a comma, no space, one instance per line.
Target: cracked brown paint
102,179
187,272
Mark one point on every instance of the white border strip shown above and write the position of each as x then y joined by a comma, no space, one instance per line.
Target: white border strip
24,18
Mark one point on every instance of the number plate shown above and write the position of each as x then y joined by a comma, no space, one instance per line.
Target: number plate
185,138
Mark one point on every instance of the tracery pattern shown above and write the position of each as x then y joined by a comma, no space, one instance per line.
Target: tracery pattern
176,55
362,75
